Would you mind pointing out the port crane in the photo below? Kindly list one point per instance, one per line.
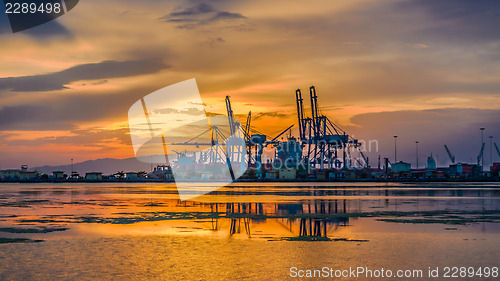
(254, 142)
(273, 141)
(223, 145)
(247, 126)
(366, 159)
(480, 154)
(323, 139)
(452, 157)
(232, 124)
(366, 163)
(498, 150)
(235, 151)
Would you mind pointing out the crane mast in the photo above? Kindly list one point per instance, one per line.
(480, 155)
(300, 112)
(232, 125)
(498, 150)
(452, 158)
(323, 138)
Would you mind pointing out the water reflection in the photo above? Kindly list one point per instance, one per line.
(308, 220)
(252, 210)
(111, 231)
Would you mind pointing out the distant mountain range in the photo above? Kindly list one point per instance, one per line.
(106, 166)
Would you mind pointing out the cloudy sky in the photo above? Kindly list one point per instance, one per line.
(423, 70)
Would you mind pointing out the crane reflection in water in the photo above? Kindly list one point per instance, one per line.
(314, 218)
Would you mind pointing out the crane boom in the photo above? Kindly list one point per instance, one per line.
(232, 126)
(247, 127)
(281, 134)
(367, 163)
(452, 158)
(480, 154)
(314, 109)
(300, 112)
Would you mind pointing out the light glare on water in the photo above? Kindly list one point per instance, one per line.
(244, 231)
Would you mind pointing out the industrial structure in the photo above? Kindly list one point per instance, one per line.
(326, 144)
(321, 144)
(322, 151)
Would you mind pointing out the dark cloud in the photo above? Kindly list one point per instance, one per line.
(224, 15)
(48, 31)
(442, 22)
(199, 14)
(100, 82)
(92, 71)
(34, 118)
(269, 114)
(213, 42)
(20, 117)
(457, 20)
(68, 112)
(197, 9)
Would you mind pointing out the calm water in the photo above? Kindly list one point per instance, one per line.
(246, 231)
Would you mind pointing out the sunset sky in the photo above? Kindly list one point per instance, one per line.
(423, 70)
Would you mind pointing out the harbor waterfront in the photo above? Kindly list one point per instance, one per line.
(249, 140)
(247, 230)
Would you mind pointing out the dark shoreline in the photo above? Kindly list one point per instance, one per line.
(490, 179)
